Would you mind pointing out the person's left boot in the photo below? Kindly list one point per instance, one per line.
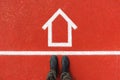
(53, 68)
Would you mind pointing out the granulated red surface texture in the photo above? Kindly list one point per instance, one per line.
(21, 24)
(98, 29)
(81, 67)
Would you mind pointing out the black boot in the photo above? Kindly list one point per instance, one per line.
(53, 68)
(54, 63)
(65, 69)
(65, 64)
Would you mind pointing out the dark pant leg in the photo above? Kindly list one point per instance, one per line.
(51, 75)
(65, 76)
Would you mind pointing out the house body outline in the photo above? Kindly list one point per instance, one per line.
(70, 24)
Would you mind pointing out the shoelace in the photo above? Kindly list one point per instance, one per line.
(51, 75)
(65, 76)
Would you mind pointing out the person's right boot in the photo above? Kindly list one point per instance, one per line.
(53, 68)
(65, 69)
(65, 64)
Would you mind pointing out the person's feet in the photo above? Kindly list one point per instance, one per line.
(54, 68)
(65, 64)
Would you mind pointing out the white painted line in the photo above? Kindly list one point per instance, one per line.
(59, 52)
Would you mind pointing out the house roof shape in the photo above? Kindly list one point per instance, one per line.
(55, 15)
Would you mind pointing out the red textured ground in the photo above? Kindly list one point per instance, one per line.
(21, 24)
(81, 68)
(98, 24)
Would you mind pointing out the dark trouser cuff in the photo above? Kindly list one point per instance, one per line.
(51, 75)
(65, 76)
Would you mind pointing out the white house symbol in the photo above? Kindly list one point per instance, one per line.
(70, 26)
